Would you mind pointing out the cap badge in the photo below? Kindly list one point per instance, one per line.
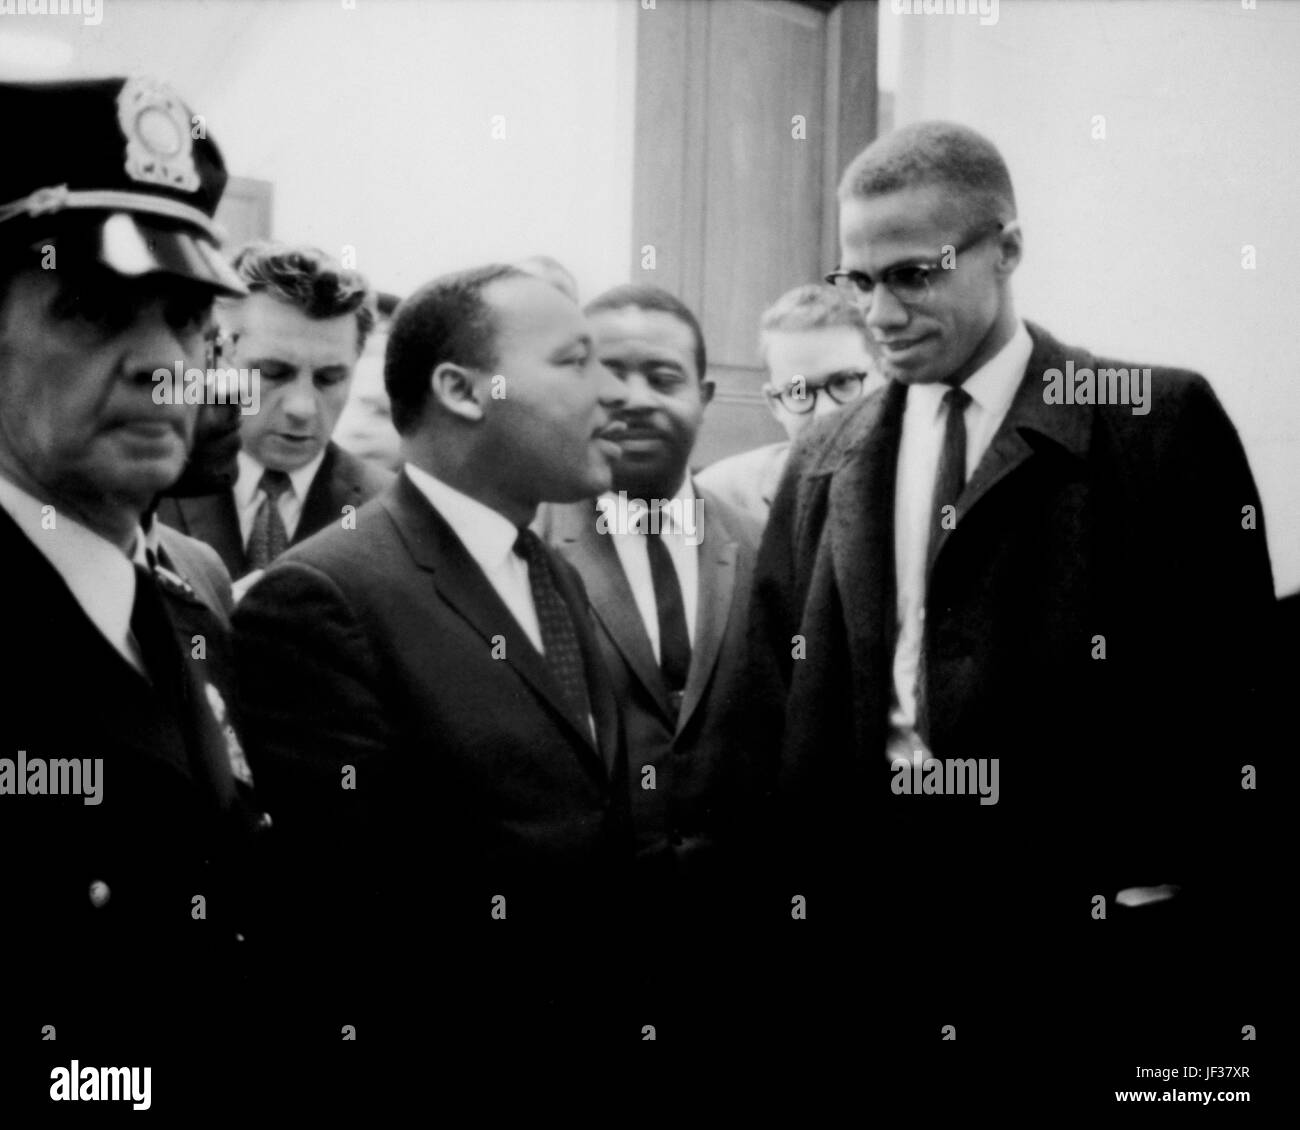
(45, 200)
(159, 149)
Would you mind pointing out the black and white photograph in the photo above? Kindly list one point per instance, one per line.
(537, 530)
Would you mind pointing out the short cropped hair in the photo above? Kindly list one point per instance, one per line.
(644, 297)
(550, 269)
(309, 280)
(945, 154)
(446, 320)
(813, 306)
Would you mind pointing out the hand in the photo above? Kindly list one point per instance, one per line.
(907, 747)
(1144, 896)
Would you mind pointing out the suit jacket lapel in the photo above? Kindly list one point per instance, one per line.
(861, 522)
(326, 497)
(1011, 447)
(435, 547)
(717, 579)
(610, 595)
(604, 709)
(176, 559)
(212, 518)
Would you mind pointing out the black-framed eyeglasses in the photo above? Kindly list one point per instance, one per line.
(908, 282)
(800, 395)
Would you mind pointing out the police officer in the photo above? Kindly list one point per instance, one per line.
(121, 831)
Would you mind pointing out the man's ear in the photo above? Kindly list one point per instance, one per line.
(707, 389)
(1011, 247)
(453, 387)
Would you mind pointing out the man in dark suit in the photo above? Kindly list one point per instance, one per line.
(427, 716)
(667, 568)
(119, 821)
(1016, 553)
(302, 328)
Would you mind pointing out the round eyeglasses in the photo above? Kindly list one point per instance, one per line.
(800, 395)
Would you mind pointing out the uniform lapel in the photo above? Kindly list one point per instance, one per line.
(69, 639)
(209, 754)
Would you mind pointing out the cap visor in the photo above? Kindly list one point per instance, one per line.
(135, 245)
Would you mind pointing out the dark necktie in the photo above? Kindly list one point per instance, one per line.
(674, 639)
(175, 681)
(269, 538)
(559, 636)
(153, 632)
(948, 485)
(951, 479)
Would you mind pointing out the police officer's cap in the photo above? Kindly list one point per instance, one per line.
(111, 168)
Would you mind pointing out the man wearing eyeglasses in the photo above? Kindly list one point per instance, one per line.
(815, 346)
(1070, 594)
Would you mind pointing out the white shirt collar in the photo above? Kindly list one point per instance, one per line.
(99, 575)
(671, 518)
(993, 385)
(146, 542)
(149, 537)
(250, 476)
(487, 534)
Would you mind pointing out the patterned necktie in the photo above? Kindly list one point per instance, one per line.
(559, 636)
(674, 639)
(269, 538)
(948, 485)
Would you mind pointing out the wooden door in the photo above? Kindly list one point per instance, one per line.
(747, 112)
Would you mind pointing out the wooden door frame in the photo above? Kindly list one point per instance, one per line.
(672, 98)
(852, 102)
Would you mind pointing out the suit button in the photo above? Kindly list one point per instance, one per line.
(99, 893)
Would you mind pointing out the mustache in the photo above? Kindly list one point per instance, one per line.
(636, 426)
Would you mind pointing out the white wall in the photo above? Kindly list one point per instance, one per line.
(1134, 243)
(375, 122)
